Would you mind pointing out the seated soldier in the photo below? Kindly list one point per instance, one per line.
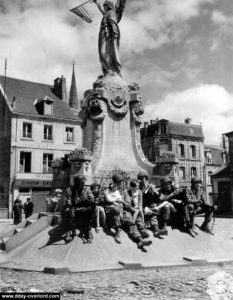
(155, 217)
(67, 216)
(182, 211)
(83, 204)
(99, 212)
(135, 199)
(137, 232)
(195, 196)
(113, 209)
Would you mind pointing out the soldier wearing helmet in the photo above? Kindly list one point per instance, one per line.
(83, 204)
(196, 197)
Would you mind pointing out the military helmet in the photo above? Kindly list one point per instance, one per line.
(133, 183)
(79, 178)
(117, 178)
(141, 175)
(93, 185)
(195, 180)
(166, 180)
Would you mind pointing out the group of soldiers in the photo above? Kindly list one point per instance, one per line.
(135, 209)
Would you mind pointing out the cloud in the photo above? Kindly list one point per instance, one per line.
(41, 38)
(206, 104)
(223, 32)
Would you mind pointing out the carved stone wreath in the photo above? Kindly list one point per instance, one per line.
(118, 106)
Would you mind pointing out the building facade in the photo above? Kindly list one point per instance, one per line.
(222, 179)
(215, 159)
(37, 125)
(185, 140)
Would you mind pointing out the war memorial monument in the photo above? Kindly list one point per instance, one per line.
(111, 141)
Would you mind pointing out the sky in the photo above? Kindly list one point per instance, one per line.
(180, 52)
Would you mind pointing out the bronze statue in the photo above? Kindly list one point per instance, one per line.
(109, 36)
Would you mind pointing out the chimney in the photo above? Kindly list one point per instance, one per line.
(59, 88)
(188, 120)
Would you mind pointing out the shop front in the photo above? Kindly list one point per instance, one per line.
(35, 189)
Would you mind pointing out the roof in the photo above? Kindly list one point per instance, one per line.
(216, 155)
(224, 170)
(178, 129)
(228, 134)
(189, 130)
(213, 147)
(26, 92)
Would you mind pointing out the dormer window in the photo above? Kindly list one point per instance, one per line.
(208, 156)
(44, 106)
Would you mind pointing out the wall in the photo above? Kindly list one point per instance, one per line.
(58, 146)
(188, 161)
(5, 138)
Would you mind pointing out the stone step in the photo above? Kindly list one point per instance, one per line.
(43, 214)
(29, 222)
(17, 230)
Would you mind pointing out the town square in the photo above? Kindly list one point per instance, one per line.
(116, 149)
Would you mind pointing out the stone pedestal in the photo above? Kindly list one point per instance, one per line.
(111, 128)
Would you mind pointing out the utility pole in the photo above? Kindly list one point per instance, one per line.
(5, 77)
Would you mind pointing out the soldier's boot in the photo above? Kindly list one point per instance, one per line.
(88, 236)
(155, 230)
(117, 236)
(163, 230)
(206, 227)
(142, 242)
(144, 234)
(67, 237)
(191, 233)
(194, 229)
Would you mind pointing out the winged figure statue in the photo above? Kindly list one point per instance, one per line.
(109, 36)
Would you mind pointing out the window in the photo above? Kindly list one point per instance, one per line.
(48, 108)
(69, 134)
(47, 161)
(208, 157)
(163, 128)
(27, 130)
(25, 162)
(193, 171)
(193, 151)
(48, 132)
(44, 106)
(209, 176)
(182, 172)
(181, 150)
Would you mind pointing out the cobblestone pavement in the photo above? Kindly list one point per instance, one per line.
(176, 283)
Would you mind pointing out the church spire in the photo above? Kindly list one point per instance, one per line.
(73, 101)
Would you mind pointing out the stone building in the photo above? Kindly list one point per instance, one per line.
(223, 179)
(38, 123)
(215, 158)
(185, 140)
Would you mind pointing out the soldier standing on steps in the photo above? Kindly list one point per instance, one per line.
(17, 210)
(28, 208)
(67, 215)
(83, 205)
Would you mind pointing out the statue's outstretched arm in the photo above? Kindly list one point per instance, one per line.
(99, 6)
(120, 7)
